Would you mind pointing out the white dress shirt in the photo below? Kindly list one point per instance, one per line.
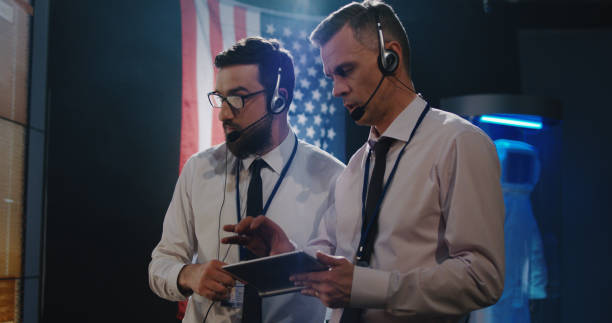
(439, 252)
(205, 199)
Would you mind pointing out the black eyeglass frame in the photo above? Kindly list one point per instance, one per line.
(225, 98)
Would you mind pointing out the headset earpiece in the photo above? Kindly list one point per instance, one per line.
(387, 59)
(388, 62)
(278, 102)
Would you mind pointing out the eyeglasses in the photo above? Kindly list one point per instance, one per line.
(234, 101)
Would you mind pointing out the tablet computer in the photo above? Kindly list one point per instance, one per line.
(270, 275)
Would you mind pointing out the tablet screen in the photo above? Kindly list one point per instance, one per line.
(270, 275)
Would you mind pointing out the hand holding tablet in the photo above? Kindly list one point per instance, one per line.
(270, 275)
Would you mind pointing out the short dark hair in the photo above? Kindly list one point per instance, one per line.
(361, 17)
(268, 55)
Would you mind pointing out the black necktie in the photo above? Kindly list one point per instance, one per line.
(251, 310)
(353, 315)
(254, 197)
(374, 192)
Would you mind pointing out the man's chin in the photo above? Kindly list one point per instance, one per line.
(250, 142)
(236, 148)
(232, 136)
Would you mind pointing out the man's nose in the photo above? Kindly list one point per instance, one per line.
(340, 88)
(225, 112)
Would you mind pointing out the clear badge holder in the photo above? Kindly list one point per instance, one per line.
(236, 298)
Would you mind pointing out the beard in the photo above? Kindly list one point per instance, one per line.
(256, 139)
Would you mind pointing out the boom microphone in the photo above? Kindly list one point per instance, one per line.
(234, 135)
(359, 111)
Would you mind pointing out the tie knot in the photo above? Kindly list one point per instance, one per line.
(382, 146)
(257, 165)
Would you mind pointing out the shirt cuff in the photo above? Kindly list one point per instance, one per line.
(369, 288)
(173, 274)
(295, 245)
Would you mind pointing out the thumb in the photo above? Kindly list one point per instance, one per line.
(330, 260)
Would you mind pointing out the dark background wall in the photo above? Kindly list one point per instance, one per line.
(574, 66)
(113, 146)
(114, 90)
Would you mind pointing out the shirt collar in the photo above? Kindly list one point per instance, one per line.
(401, 127)
(277, 157)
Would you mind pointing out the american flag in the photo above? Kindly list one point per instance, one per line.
(314, 114)
(211, 26)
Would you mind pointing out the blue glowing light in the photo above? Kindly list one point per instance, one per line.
(531, 124)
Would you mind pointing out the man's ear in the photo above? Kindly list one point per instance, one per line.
(397, 48)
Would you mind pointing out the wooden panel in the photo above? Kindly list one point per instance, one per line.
(9, 300)
(12, 140)
(14, 59)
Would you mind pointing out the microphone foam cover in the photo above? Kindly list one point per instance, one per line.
(357, 113)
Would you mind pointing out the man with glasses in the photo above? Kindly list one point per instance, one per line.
(261, 169)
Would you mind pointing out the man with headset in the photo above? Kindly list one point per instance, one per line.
(417, 224)
(262, 169)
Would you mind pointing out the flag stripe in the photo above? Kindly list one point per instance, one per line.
(216, 46)
(205, 75)
(216, 36)
(226, 17)
(252, 23)
(240, 22)
(189, 117)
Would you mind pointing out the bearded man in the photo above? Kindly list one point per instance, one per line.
(261, 170)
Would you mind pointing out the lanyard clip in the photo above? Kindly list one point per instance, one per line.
(359, 261)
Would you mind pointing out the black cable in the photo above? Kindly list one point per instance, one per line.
(211, 305)
(227, 252)
(406, 86)
(223, 203)
(219, 230)
(219, 227)
(221, 208)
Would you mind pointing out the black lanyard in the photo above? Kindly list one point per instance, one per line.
(366, 174)
(274, 190)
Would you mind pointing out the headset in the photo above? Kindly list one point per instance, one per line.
(278, 103)
(388, 59)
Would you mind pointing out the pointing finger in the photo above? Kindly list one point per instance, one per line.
(239, 240)
(229, 228)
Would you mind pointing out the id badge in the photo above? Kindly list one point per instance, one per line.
(236, 297)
